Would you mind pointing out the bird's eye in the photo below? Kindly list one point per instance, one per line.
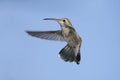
(64, 21)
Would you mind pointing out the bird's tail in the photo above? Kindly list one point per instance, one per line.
(77, 58)
(68, 54)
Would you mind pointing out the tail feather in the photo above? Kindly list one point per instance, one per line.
(78, 58)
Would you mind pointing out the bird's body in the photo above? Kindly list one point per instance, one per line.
(71, 52)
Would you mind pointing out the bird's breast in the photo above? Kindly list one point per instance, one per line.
(71, 36)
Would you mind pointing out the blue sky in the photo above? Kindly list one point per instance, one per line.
(23, 57)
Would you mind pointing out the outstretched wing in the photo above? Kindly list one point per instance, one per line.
(49, 35)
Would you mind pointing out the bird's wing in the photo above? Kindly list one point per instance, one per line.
(49, 35)
(68, 54)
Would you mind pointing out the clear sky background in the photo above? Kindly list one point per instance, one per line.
(23, 57)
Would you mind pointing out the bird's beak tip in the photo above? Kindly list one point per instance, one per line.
(45, 19)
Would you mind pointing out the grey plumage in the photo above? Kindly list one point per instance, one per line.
(48, 35)
(71, 52)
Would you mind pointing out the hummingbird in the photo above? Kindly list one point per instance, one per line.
(71, 52)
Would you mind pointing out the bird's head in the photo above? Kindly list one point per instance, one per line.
(62, 21)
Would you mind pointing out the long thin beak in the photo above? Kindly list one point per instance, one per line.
(51, 19)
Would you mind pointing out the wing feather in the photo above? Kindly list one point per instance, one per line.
(49, 35)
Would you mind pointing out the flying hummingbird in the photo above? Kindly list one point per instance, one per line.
(71, 52)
